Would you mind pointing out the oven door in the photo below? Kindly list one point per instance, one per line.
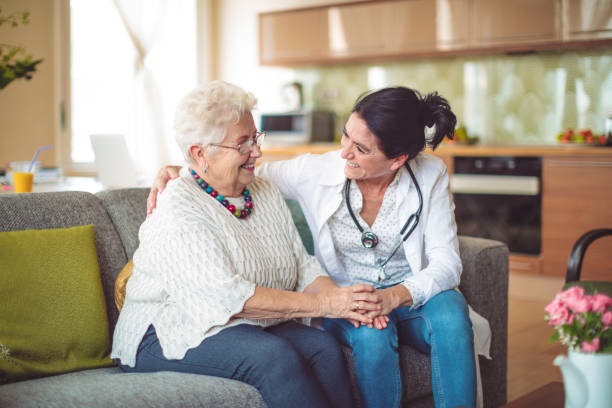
(500, 207)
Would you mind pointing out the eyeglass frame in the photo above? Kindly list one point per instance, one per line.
(247, 146)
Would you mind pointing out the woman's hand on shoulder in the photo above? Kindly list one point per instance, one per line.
(164, 175)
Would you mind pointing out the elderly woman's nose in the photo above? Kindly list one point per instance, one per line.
(256, 150)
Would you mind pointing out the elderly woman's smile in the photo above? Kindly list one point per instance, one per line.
(230, 164)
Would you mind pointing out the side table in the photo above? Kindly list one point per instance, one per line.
(551, 395)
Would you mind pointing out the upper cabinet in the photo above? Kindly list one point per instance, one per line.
(391, 29)
(394, 27)
(294, 36)
(588, 19)
(516, 22)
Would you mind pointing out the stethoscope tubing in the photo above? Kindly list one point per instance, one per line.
(412, 220)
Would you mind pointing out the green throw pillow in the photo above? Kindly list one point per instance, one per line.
(52, 310)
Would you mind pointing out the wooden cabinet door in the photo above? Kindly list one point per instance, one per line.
(577, 197)
(588, 19)
(398, 27)
(363, 30)
(299, 36)
(515, 22)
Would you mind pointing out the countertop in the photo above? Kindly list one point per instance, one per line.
(447, 149)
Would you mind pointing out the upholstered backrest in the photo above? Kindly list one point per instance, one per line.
(68, 209)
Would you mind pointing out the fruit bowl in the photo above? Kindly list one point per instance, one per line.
(584, 137)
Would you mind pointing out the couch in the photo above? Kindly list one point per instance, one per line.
(117, 215)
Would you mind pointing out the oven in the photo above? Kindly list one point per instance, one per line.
(499, 197)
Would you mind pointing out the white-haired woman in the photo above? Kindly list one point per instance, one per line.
(221, 272)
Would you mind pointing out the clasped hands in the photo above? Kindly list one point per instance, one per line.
(361, 304)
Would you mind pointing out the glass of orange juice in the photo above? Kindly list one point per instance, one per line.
(22, 181)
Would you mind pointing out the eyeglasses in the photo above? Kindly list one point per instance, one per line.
(244, 148)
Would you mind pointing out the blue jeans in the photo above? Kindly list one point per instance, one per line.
(441, 328)
(292, 365)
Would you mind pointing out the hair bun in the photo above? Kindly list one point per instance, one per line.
(427, 112)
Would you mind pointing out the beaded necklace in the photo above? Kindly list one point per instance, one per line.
(238, 213)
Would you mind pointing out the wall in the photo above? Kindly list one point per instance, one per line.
(27, 108)
(501, 99)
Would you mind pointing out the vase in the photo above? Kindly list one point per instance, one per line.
(586, 379)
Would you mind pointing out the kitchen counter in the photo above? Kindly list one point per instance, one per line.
(447, 149)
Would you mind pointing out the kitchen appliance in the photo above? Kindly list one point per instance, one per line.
(298, 127)
(499, 198)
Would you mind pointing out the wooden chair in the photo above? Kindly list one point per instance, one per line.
(574, 264)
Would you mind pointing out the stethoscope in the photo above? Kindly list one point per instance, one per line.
(369, 238)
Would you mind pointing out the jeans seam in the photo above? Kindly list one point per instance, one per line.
(435, 367)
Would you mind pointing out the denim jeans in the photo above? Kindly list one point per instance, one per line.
(292, 365)
(441, 328)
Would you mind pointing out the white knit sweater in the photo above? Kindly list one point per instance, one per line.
(197, 264)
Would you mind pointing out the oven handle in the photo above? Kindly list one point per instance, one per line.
(492, 184)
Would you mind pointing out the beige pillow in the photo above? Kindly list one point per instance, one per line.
(120, 283)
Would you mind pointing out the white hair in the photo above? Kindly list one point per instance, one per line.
(204, 114)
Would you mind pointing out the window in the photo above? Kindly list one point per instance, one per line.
(130, 63)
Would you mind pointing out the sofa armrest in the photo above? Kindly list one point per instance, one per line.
(484, 283)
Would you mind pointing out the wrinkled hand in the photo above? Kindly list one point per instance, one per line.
(164, 175)
(390, 299)
(351, 302)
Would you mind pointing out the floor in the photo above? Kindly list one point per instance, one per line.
(530, 355)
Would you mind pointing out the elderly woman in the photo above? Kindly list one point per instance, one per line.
(221, 273)
(382, 213)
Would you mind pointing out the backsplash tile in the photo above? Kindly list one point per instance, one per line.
(507, 99)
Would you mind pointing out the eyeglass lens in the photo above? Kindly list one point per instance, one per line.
(246, 146)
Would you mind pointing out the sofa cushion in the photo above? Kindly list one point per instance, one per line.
(111, 387)
(53, 313)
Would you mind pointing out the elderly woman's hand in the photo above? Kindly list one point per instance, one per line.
(164, 175)
(354, 303)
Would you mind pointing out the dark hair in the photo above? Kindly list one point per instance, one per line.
(398, 116)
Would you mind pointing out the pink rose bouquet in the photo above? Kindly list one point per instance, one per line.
(581, 321)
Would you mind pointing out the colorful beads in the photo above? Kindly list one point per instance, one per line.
(238, 213)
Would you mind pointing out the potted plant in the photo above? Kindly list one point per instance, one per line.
(583, 322)
(15, 63)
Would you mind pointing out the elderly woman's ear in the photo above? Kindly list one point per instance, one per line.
(197, 153)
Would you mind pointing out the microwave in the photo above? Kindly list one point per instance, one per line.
(298, 127)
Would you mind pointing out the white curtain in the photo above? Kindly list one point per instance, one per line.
(163, 33)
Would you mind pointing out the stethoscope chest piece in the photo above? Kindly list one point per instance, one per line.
(369, 239)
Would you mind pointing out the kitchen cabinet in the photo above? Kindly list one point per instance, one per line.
(515, 23)
(576, 198)
(393, 29)
(363, 30)
(294, 36)
(588, 19)
(396, 27)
